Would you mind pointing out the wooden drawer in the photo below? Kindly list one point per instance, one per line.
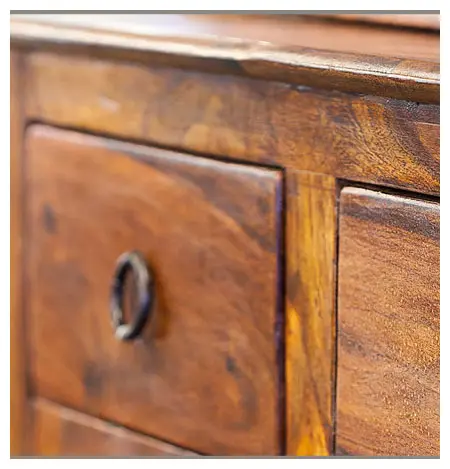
(62, 432)
(388, 325)
(204, 374)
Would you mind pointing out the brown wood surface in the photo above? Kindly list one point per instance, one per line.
(384, 142)
(291, 50)
(283, 30)
(388, 325)
(310, 299)
(18, 382)
(58, 431)
(425, 21)
(205, 376)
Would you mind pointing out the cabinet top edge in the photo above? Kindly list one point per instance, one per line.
(300, 51)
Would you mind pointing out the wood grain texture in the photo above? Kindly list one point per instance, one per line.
(205, 376)
(382, 74)
(18, 392)
(310, 299)
(58, 431)
(388, 326)
(350, 137)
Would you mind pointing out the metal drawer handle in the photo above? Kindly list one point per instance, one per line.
(131, 261)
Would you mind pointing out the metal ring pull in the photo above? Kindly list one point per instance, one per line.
(131, 261)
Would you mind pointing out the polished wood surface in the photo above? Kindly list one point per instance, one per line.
(206, 375)
(284, 30)
(310, 299)
(18, 391)
(285, 48)
(292, 317)
(388, 325)
(58, 431)
(358, 138)
(429, 21)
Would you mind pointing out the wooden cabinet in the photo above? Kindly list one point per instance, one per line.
(388, 325)
(204, 372)
(224, 236)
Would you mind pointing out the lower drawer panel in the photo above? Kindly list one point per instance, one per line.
(57, 431)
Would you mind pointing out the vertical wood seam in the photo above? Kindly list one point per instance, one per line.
(310, 319)
(339, 186)
(18, 386)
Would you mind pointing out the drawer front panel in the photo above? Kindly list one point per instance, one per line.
(388, 325)
(204, 374)
(57, 431)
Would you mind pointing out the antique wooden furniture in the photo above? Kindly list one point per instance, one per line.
(273, 183)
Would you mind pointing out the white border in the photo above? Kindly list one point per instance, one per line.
(232, 5)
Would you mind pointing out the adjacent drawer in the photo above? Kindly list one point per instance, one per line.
(388, 325)
(204, 373)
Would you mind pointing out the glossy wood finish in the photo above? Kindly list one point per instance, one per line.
(205, 376)
(322, 103)
(291, 50)
(17, 375)
(284, 30)
(310, 299)
(58, 431)
(388, 325)
(345, 136)
(424, 21)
